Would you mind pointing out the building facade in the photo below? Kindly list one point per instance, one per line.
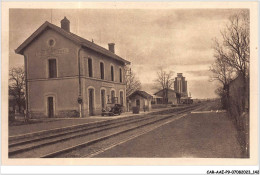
(180, 85)
(141, 99)
(172, 96)
(68, 76)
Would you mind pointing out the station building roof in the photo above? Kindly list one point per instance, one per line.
(141, 93)
(73, 37)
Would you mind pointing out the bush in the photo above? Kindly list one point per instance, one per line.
(11, 116)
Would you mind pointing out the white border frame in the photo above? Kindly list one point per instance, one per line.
(244, 163)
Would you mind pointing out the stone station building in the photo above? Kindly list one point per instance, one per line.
(69, 76)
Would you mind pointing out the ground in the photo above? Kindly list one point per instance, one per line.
(203, 135)
(204, 132)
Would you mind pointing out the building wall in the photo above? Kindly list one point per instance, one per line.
(171, 96)
(238, 109)
(238, 95)
(64, 92)
(64, 51)
(99, 85)
(95, 82)
(143, 102)
(108, 62)
(40, 86)
(65, 88)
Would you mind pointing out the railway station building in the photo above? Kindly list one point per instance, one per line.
(68, 76)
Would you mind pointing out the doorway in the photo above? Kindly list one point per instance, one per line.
(138, 103)
(91, 101)
(103, 100)
(121, 98)
(113, 96)
(50, 107)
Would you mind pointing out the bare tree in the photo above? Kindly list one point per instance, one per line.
(232, 54)
(221, 70)
(223, 73)
(132, 82)
(236, 43)
(17, 86)
(165, 81)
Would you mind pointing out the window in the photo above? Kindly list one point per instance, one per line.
(120, 75)
(52, 68)
(90, 72)
(51, 42)
(102, 71)
(112, 73)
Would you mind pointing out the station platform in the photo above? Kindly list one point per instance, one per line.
(44, 124)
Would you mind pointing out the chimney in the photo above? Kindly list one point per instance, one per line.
(179, 74)
(111, 47)
(65, 24)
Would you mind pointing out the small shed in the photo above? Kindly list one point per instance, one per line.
(141, 99)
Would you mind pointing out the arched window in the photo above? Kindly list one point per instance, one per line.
(102, 71)
(112, 73)
(120, 75)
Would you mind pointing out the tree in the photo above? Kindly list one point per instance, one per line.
(223, 73)
(233, 53)
(17, 86)
(236, 43)
(132, 82)
(223, 94)
(165, 81)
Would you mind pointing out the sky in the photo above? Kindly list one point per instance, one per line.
(178, 40)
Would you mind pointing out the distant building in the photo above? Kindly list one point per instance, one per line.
(141, 99)
(157, 99)
(173, 96)
(67, 75)
(238, 95)
(180, 85)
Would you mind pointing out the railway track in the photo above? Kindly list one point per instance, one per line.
(68, 142)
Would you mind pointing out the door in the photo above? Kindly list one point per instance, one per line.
(138, 103)
(113, 97)
(91, 102)
(121, 98)
(50, 107)
(103, 98)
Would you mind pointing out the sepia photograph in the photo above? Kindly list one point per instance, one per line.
(130, 83)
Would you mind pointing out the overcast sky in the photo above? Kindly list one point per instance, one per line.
(177, 40)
